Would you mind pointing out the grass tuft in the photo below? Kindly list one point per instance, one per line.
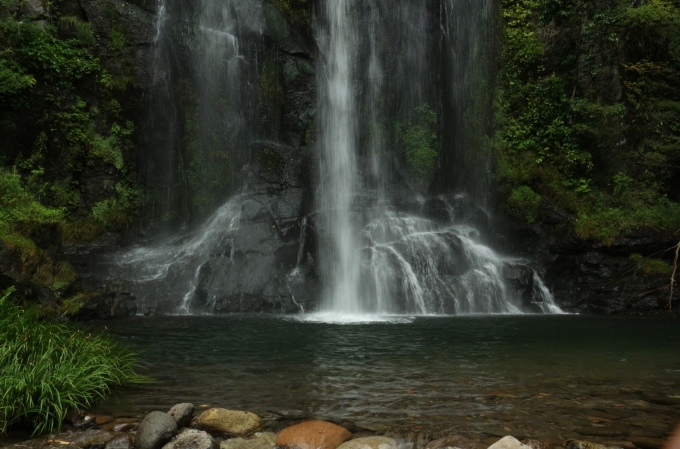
(47, 369)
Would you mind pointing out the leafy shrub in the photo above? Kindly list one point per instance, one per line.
(524, 202)
(17, 206)
(47, 369)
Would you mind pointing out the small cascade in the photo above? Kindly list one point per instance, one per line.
(166, 277)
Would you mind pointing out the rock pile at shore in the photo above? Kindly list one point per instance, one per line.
(219, 428)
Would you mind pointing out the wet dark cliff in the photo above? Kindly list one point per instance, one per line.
(175, 164)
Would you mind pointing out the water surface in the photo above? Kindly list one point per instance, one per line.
(597, 378)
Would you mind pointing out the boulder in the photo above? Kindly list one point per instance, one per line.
(191, 439)
(232, 422)
(370, 443)
(313, 435)
(155, 430)
(509, 443)
(182, 414)
(264, 440)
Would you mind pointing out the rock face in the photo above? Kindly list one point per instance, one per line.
(117, 301)
(182, 414)
(370, 443)
(155, 430)
(191, 439)
(313, 435)
(232, 422)
(587, 276)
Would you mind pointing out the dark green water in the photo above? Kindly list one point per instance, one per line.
(534, 376)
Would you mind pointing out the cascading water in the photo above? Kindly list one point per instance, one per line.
(375, 70)
(338, 187)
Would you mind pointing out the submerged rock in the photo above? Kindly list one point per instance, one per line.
(456, 441)
(91, 439)
(119, 443)
(370, 443)
(232, 422)
(264, 440)
(581, 444)
(156, 429)
(313, 435)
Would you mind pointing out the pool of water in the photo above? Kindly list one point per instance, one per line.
(596, 378)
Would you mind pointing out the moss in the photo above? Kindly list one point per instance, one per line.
(270, 160)
(296, 10)
(270, 87)
(652, 267)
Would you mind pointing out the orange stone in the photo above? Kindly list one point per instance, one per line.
(313, 435)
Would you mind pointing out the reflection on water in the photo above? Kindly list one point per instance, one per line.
(535, 376)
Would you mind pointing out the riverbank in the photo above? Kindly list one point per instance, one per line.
(187, 427)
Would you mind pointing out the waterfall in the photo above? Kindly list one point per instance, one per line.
(380, 67)
(338, 183)
(403, 95)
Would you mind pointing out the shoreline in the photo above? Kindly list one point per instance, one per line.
(86, 430)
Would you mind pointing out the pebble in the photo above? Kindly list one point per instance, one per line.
(370, 443)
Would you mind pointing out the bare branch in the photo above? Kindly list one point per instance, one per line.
(675, 270)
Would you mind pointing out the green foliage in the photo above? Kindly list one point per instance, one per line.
(610, 222)
(652, 267)
(419, 142)
(18, 207)
(47, 369)
(82, 29)
(602, 144)
(270, 160)
(116, 212)
(524, 202)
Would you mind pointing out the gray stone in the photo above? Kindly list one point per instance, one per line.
(191, 439)
(370, 443)
(92, 438)
(182, 413)
(264, 440)
(119, 443)
(508, 442)
(155, 430)
(232, 422)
